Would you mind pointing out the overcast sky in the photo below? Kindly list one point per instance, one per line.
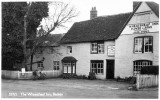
(104, 8)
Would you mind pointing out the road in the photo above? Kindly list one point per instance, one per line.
(72, 88)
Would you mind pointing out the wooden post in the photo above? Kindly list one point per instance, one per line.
(137, 82)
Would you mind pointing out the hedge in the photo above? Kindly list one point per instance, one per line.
(152, 70)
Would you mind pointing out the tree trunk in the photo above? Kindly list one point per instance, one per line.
(24, 43)
(31, 62)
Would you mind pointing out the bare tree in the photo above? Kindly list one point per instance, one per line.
(62, 13)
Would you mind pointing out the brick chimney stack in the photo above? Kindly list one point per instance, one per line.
(93, 13)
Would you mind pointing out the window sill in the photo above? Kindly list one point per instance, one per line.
(97, 53)
(99, 74)
(143, 53)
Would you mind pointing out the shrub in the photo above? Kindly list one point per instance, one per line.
(91, 76)
(118, 78)
(153, 70)
(65, 76)
(68, 76)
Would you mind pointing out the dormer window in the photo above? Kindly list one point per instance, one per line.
(97, 47)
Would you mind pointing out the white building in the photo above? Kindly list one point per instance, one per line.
(110, 46)
(138, 43)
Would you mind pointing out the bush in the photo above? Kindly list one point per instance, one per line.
(153, 70)
(91, 76)
(130, 79)
(65, 76)
(68, 76)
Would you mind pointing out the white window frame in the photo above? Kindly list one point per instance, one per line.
(93, 47)
(40, 65)
(97, 67)
(69, 68)
(97, 48)
(69, 49)
(56, 65)
(140, 44)
(148, 44)
(138, 64)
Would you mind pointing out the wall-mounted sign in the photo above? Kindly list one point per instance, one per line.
(143, 27)
(111, 50)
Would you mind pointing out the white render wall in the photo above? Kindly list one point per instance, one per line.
(81, 51)
(124, 45)
(124, 53)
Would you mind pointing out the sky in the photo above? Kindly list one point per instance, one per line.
(103, 7)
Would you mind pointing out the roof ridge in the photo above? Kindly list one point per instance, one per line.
(115, 14)
(104, 16)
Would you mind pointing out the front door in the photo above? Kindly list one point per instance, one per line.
(110, 69)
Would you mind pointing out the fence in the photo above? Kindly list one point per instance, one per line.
(144, 81)
(28, 74)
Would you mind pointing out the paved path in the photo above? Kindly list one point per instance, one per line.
(71, 88)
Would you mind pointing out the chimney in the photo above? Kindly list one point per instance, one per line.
(135, 4)
(93, 13)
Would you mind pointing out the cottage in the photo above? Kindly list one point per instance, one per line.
(46, 53)
(110, 46)
(92, 44)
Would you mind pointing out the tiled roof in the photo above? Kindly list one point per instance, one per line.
(154, 6)
(97, 29)
(102, 28)
(53, 40)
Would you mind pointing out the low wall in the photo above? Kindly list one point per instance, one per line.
(144, 81)
(9, 74)
(28, 75)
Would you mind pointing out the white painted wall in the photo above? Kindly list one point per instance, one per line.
(124, 55)
(81, 51)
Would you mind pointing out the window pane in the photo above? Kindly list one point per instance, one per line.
(101, 48)
(65, 69)
(101, 70)
(94, 47)
(148, 46)
(138, 44)
(97, 66)
(54, 62)
(57, 62)
(57, 67)
(69, 49)
(139, 64)
(98, 70)
(73, 69)
(69, 69)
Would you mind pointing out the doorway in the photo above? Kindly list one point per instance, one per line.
(110, 69)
